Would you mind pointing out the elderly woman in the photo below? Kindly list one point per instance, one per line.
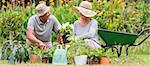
(86, 27)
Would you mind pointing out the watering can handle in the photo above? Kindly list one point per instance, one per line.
(59, 47)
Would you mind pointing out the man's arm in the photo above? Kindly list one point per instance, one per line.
(32, 38)
(57, 25)
(30, 33)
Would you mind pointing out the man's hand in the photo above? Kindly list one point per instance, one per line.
(59, 39)
(42, 45)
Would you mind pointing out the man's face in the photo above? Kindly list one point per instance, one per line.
(46, 16)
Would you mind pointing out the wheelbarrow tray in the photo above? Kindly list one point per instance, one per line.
(113, 39)
(117, 38)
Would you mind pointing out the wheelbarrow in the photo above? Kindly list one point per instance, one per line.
(113, 39)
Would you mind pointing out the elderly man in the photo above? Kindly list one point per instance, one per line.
(40, 27)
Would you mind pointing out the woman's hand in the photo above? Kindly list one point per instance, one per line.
(51, 45)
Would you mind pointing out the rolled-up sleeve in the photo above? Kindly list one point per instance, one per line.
(57, 25)
(30, 23)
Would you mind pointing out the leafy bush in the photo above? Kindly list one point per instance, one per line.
(64, 14)
(19, 54)
(48, 53)
(15, 53)
(11, 21)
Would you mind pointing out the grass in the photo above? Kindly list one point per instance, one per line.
(132, 60)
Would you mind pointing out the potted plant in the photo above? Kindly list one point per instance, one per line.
(103, 57)
(81, 58)
(35, 54)
(81, 53)
(104, 60)
(98, 56)
(93, 56)
(51, 52)
(47, 55)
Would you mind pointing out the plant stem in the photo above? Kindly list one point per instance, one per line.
(10, 37)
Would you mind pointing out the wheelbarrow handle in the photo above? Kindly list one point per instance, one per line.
(140, 41)
(143, 39)
(143, 31)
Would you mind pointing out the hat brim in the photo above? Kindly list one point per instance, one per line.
(41, 14)
(85, 12)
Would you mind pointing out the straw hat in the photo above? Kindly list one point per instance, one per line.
(85, 8)
(41, 9)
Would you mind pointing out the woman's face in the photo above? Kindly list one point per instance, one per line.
(83, 17)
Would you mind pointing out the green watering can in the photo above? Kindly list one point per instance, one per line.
(59, 56)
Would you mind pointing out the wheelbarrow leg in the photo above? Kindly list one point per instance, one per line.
(112, 50)
(119, 50)
(127, 50)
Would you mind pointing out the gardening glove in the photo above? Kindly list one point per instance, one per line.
(65, 38)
